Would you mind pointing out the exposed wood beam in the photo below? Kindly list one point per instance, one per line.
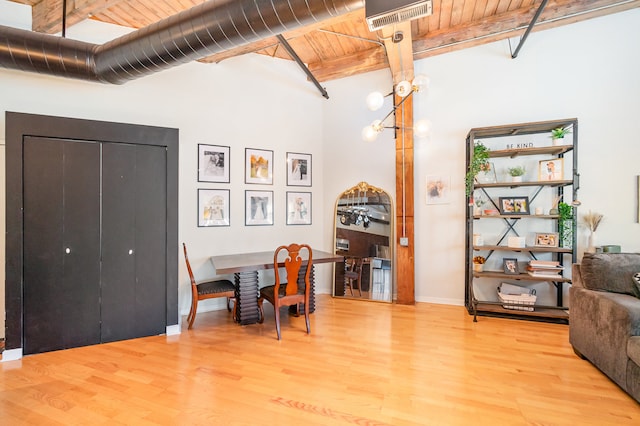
(47, 14)
(511, 24)
(360, 62)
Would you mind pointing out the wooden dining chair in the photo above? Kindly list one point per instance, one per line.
(291, 291)
(209, 290)
(353, 274)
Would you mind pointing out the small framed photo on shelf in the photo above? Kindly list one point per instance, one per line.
(545, 239)
(258, 208)
(298, 169)
(510, 266)
(552, 169)
(213, 207)
(514, 205)
(213, 163)
(298, 208)
(487, 174)
(258, 166)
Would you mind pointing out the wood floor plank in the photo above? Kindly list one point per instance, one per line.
(364, 363)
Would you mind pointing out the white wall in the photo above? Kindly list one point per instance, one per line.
(248, 102)
(587, 70)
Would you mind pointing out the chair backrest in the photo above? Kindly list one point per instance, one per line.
(186, 259)
(292, 264)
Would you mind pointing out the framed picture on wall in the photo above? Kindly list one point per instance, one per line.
(298, 208)
(298, 169)
(258, 208)
(213, 163)
(258, 166)
(213, 207)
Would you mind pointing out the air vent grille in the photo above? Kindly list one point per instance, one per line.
(399, 15)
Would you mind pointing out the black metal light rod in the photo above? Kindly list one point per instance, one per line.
(529, 28)
(296, 58)
(64, 18)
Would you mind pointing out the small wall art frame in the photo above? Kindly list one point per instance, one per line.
(213, 207)
(298, 208)
(546, 239)
(551, 169)
(258, 166)
(213, 163)
(438, 189)
(258, 208)
(298, 169)
(510, 266)
(514, 205)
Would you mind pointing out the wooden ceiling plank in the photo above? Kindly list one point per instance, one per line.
(456, 12)
(364, 61)
(479, 10)
(251, 48)
(47, 15)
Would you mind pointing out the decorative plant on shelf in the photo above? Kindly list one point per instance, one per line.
(478, 263)
(559, 133)
(516, 171)
(565, 227)
(479, 161)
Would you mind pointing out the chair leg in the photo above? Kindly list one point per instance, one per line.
(277, 312)
(260, 311)
(192, 313)
(306, 317)
(360, 288)
(228, 304)
(234, 311)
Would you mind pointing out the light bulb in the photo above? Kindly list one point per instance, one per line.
(422, 128)
(403, 88)
(377, 126)
(369, 134)
(375, 101)
(421, 83)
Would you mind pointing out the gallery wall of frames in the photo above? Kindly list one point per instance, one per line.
(214, 203)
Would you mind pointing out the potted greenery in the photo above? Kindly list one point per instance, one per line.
(516, 173)
(565, 225)
(557, 135)
(478, 263)
(479, 161)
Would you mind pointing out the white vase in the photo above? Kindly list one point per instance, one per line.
(557, 141)
(516, 178)
(593, 241)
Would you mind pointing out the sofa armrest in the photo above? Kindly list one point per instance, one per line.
(600, 325)
(576, 276)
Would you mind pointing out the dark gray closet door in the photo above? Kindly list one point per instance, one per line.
(133, 241)
(61, 244)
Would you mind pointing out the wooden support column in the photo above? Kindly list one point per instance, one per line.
(400, 56)
(405, 262)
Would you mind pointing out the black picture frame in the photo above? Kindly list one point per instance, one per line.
(299, 208)
(258, 166)
(518, 205)
(213, 163)
(258, 208)
(510, 266)
(213, 208)
(298, 169)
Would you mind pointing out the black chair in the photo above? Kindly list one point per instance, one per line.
(290, 292)
(209, 290)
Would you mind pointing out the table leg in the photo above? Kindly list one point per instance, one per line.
(312, 295)
(247, 297)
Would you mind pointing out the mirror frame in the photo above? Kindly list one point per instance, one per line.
(360, 188)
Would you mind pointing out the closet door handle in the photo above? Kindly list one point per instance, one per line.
(67, 250)
(130, 252)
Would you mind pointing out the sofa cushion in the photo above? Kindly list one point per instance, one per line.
(633, 349)
(611, 272)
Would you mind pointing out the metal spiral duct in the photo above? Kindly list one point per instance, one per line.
(201, 31)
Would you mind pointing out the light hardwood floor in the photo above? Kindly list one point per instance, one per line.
(364, 363)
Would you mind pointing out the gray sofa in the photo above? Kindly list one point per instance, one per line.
(604, 325)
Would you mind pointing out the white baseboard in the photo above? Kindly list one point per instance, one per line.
(173, 330)
(11, 355)
(441, 301)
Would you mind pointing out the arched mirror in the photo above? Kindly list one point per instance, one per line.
(364, 236)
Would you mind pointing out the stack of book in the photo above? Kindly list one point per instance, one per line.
(544, 268)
